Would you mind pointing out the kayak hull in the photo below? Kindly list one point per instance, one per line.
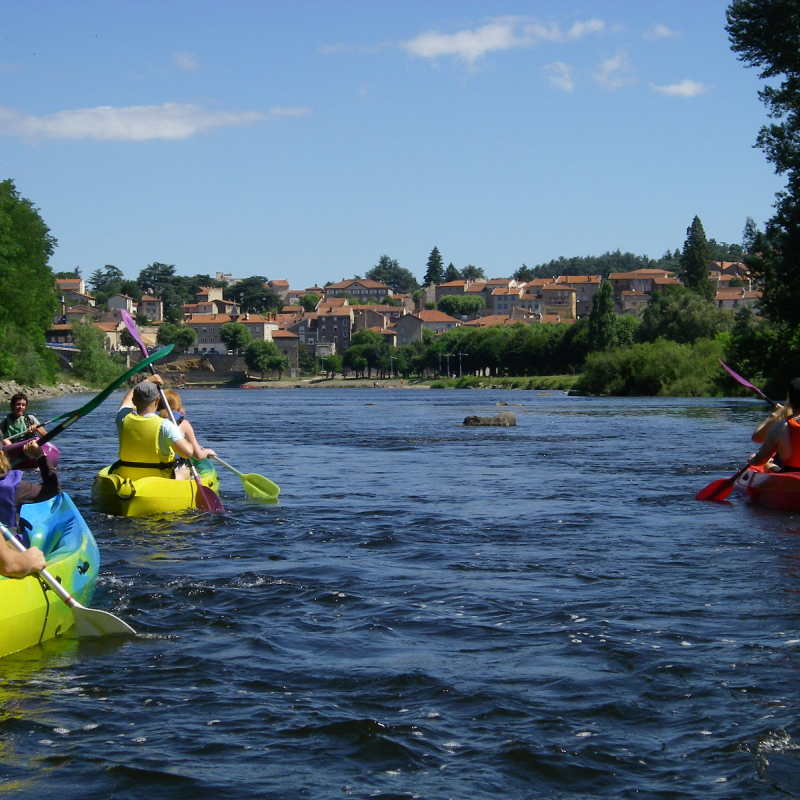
(122, 497)
(780, 490)
(30, 612)
(14, 451)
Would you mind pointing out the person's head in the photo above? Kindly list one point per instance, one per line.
(174, 400)
(794, 395)
(18, 403)
(144, 394)
(5, 465)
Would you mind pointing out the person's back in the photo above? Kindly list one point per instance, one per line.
(147, 443)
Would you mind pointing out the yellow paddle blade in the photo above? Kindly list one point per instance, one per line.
(260, 488)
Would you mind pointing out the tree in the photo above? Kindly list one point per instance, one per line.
(92, 363)
(309, 301)
(235, 335)
(388, 271)
(435, 272)
(695, 266)
(602, 318)
(452, 273)
(524, 274)
(682, 316)
(764, 34)
(460, 305)
(472, 273)
(262, 356)
(254, 296)
(28, 302)
(305, 361)
(182, 336)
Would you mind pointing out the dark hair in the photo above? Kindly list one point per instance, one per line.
(18, 396)
(794, 395)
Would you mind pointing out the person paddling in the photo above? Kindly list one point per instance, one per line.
(14, 492)
(781, 436)
(147, 443)
(18, 422)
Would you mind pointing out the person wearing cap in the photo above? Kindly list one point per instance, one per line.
(147, 442)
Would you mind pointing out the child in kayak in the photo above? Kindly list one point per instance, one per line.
(780, 448)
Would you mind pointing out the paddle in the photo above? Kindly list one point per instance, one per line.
(207, 499)
(88, 621)
(739, 379)
(71, 417)
(257, 486)
(718, 490)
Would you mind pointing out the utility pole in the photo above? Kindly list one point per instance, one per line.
(460, 371)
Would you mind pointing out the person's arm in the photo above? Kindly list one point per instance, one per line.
(770, 445)
(127, 400)
(173, 436)
(14, 564)
(36, 492)
(761, 431)
(188, 431)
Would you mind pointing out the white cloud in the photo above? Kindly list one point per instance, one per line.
(503, 33)
(186, 61)
(614, 72)
(685, 88)
(278, 112)
(131, 124)
(661, 32)
(560, 76)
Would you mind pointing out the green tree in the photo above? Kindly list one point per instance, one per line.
(435, 271)
(472, 273)
(682, 316)
(261, 355)
(765, 34)
(388, 271)
(27, 301)
(602, 318)
(452, 273)
(235, 335)
(695, 265)
(92, 363)
(460, 305)
(254, 296)
(309, 301)
(182, 336)
(524, 274)
(305, 361)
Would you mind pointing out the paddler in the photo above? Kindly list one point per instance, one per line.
(18, 422)
(14, 492)
(782, 436)
(147, 442)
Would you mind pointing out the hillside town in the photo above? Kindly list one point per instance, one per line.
(347, 307)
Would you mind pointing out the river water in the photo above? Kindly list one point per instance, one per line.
(431, 611)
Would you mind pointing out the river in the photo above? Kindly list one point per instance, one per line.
(431, 611)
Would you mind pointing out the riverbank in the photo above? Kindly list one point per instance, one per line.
(9, 388)
(546, 383)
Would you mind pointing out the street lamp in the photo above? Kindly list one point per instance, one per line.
(460, 371)
(393, 359)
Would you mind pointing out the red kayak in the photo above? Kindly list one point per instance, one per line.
(779, 490)
(14, 450)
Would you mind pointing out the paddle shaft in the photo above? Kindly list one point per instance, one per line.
(257, 486)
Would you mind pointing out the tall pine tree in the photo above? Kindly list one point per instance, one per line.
(695, 263)
(435, 272)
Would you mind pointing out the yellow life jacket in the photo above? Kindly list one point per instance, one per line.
(139, 455)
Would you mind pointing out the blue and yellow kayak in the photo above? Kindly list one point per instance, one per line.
(124, 497)
(29, 611)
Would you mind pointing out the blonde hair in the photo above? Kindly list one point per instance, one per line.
(5, 465)
(174, 400)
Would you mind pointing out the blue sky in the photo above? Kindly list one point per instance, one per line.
(303, 140)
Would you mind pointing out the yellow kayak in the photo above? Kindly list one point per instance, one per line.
(29, 612)
(124, 497)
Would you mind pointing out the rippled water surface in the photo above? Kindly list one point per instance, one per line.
(431, 611)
